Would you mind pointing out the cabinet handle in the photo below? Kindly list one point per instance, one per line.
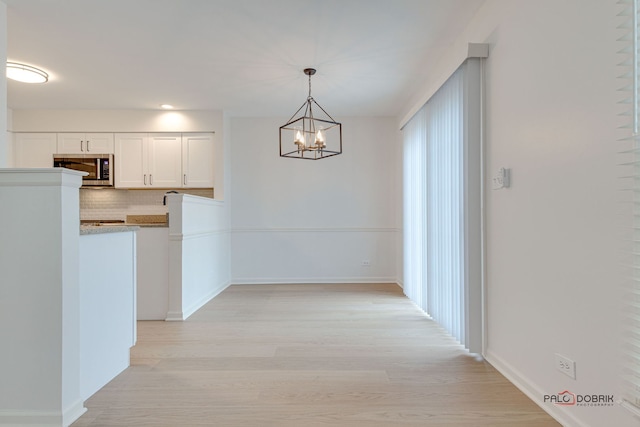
(185, 179)
(81, 148)
(88, 146)
(145, 179)
(150, 179)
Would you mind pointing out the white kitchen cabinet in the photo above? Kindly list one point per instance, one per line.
(130, 160)
(153, 273)
(197, 160)
(85, 143)
(148, 160)
(34, 150)
(165, 165)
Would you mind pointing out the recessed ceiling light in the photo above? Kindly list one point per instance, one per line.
(26, 73)
(166, 107)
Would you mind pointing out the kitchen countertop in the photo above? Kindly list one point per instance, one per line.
(133, 222)
(101, 229)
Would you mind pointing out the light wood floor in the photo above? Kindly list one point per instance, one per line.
(306, 356)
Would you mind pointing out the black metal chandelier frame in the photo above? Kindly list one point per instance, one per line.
(307, 127)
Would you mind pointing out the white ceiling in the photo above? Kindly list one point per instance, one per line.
(242, 56)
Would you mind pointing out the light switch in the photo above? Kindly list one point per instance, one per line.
(501, 179)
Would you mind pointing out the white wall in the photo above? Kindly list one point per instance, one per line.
(314, 221)
(116, 121)
(553, 271)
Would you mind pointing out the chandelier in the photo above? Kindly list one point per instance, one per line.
(309, 136)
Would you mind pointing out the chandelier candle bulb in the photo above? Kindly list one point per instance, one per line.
(320, 139)
(299, 140)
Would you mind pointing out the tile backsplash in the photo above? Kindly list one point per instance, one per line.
(117, 204)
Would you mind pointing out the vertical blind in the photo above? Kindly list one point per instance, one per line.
(441, 206)
(631, 154)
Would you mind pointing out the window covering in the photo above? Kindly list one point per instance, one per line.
(630, 172)
(441, 206)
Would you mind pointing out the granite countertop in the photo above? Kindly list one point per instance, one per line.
(132, 222)
(102, 229)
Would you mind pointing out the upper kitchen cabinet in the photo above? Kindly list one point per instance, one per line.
(34, 150)
(165, 166)
(197, 160)
(148, 160)
(130, 160)
(85, 143)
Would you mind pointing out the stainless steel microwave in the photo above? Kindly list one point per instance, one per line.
(99, 167)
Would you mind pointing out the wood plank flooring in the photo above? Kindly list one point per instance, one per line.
(307, 356)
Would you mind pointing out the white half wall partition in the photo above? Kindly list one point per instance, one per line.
(198, 253)
(39, 297)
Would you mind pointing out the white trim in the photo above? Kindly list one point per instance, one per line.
(310, 280)
(199, 304)
(196, 235)
(527, 387)
(73, 412)
(175, 316)
(43, 418)
(316, 230)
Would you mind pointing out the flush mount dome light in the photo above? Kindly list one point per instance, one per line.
(310, 134)
(26, 73)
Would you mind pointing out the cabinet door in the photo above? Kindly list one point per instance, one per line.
(34, 150)
(165, 163)
(130, 160)
(85, 143)
(197, 160)
(99, 143)
(71, 143)
(152, 250)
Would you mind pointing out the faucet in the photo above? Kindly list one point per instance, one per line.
(164, 199)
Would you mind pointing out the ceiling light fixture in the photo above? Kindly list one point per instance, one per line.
(314, 137)
(26, 73)
(166, 107)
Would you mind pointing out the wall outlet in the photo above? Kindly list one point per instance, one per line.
(566, 365)
(366, 263)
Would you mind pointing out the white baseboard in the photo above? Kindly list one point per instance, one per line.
(73, 412)
(309, 280)
(202, 301)
(176, 316)
(43, 418)
(528, 388)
